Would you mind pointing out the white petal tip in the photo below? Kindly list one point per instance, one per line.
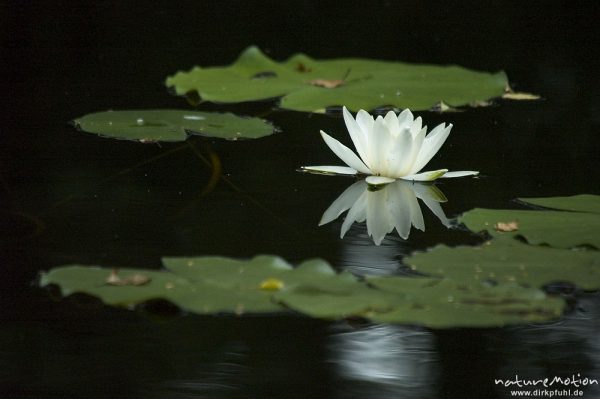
(345, 153)
(461, 173)
(426, 176)
(329, 170)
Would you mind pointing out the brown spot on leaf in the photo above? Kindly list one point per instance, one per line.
(135, 279)
(328, 84)
(300, 67)
(507, 226)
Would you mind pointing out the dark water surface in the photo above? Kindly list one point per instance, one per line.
(70, 197)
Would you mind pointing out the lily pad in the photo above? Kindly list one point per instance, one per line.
(267, 284)
(200, 285)
(172, 125)
(436, 303)
(335, 298)
(197, 297)
(505, 260)
(310, 85)
(576, 203)
(443, 303)
(560, 229)
(93, 280)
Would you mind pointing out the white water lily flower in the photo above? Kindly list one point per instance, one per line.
(390, 148)
(394, 206)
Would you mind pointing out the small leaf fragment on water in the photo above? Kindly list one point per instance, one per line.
(271, 284)
(328, 84)
(148, 141)
(480, 104)
(441, 106)
(135, 280)
(519, 95)
(507, 226)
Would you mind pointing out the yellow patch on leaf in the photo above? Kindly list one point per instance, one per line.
(272, 284)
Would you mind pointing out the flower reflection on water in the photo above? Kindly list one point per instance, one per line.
(385, 208)
(383, 361)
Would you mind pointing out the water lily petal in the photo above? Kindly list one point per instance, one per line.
(345, 154)
(398, 153)
(416, 216)
(416, 126)
(365, 122)
(428, 192)
(379, 144)
(379, 180)
(378, 217)
(336, 170)
(343, 202)
(392, 124)
(356, 213)
(405, 119)
(358, 136)
(426, 176)
(409, 156)
(437, 210)
(432, 196)
(431, 145)
(461, 173)
(400, 209)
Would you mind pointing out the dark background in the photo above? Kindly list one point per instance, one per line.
(536, 41)
(68, 197)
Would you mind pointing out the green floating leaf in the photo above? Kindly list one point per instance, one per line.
(200, 285)
(335, 298)
(445, 303)
(172, 125)
(93, 280)
(424, 301)
(577, 203)
(267, 284)
(560, 229)
(312, 85)
(505, 260)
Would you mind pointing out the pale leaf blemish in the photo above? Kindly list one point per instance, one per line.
(326, 83)
(507, 226)
(239, 309)
(133, 280)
